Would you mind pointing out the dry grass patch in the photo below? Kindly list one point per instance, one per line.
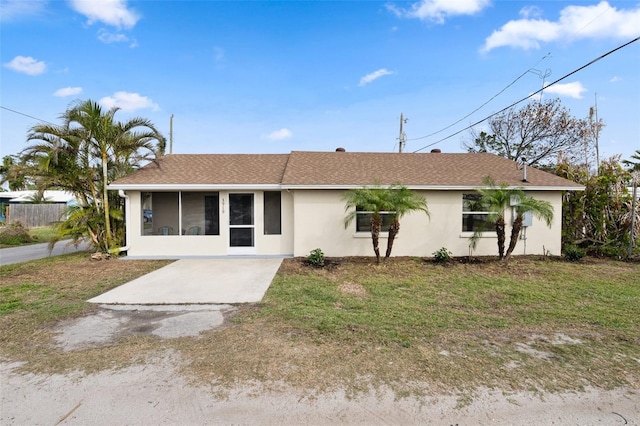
(353, 289)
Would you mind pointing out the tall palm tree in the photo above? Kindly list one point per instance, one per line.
(88, 151)
(58, 161)
(402, 201)
(374, 199)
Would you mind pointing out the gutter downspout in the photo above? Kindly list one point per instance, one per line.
(127, 204)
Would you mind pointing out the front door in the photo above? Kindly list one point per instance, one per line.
(241, 224)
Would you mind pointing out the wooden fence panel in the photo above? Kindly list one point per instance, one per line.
(34, 215)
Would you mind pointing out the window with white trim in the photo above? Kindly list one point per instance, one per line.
(475, 215)
(363, 220)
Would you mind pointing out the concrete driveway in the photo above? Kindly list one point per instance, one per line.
(198, 281)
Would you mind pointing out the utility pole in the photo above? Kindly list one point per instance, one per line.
(597, 136)
(171, 135)
(403, 136)
(633, 214)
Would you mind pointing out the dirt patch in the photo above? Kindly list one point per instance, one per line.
(107, 326)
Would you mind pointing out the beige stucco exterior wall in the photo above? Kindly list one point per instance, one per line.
(206, 245)
(319, 223)
(315, 219)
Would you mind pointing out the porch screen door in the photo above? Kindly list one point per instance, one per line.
(241, 224)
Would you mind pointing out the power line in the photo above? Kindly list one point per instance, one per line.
(509, 85)
(484, 104)
(533, 94)
(27, 115)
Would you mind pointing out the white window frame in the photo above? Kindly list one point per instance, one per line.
(465, 233)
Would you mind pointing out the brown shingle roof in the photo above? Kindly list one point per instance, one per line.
(433, 169)
(210, 169)
(339, 169)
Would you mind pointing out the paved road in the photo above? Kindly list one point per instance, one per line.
(19, 254)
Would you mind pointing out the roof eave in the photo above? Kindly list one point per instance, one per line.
(440, 187)
(194, 187)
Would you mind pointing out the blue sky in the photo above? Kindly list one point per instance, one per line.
(271, 77)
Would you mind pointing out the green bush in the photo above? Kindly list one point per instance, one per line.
(316, 258)
(612, 251)
(14, 235)
(574, 253)
(442, 255)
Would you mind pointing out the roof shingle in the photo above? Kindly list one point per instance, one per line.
(339, 169)
(204, 169)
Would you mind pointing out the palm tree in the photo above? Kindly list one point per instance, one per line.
(374, 199)
(403, 201)
(633, 163)
(12, 173)
(87, 152)
(497, 199)
(108, 140)
(538, 208)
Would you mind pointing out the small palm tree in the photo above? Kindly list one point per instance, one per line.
(402, 201)
(538, 208)
(497, 199)
(373, 199)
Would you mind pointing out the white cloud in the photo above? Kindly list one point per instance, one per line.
(530, 12)
(572, 90)
(14, 9)
(128, 101)
(280, 134)
(109, 12)
(437, 10)
(26, 65)
(108, 37)
(575, 22)
(615, 79)
(67, 91)
(374, 76)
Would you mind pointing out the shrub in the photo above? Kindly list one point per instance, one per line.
(442, 255)
(574, 253)
(15, 234)
(612, 251)
(316, 258)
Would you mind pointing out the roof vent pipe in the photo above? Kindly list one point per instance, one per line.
(524, 169)
(436, 150)
(340, 149)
